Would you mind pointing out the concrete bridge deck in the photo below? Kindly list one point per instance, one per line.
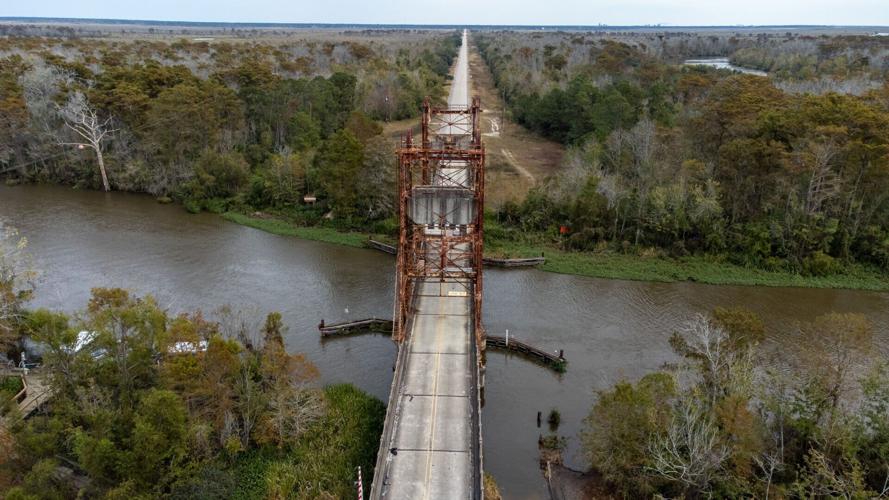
(434, 445)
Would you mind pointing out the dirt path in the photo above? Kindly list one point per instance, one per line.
(494, 126)
(517, 159)
(510, 157)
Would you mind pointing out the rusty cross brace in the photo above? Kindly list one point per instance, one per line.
(443, 258)
(451, 180)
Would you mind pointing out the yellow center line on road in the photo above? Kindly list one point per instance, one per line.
(438, 329)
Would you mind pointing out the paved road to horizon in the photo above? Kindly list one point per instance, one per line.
(459, 95)
(433, 456)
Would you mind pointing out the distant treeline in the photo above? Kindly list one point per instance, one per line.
(557, 28)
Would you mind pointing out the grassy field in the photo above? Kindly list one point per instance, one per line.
(609, 264)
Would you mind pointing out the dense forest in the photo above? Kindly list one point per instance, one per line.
(246, 124)
(785, 172)
(152, 404)
(697, 161)
(148, 404)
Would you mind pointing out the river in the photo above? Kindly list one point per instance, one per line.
(723, 63)
(609, 329)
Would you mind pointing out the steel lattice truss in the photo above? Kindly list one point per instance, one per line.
(441, 186)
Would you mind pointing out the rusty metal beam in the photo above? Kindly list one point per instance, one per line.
(444, 251)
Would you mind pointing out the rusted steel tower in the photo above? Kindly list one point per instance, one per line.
(441, 196)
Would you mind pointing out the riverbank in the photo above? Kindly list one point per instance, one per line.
(609, 265)
(700, 269)
(280, 227)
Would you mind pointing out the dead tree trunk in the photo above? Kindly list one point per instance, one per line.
(101, 160)
(83, 120)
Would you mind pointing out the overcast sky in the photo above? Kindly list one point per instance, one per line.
(534, 12)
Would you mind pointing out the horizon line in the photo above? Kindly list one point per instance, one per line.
(448, 25)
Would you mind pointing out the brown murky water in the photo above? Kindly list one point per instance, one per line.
(609, 329)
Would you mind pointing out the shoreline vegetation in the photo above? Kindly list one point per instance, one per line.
(608, 265)
(721, 424)
(147, 404)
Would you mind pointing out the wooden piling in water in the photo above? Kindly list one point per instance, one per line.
(383, 247)
(557, 363)
(356, 326)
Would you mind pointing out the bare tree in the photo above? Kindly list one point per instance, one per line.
(775, 392)
(824, 183)
(835, 346)
(769, 463)
(242, 325)
(41, 85)
(823, 478)
(231, 431)
(631, 154)
(577, 166)
(707, 342)
(292, 410)
(250, 403)
(84, 121)
(378, 173)
(690, 452)
(704, 342)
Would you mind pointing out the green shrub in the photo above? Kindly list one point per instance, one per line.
(820, 264)
(12, 384)
(388, 226)
(192, 205)
(324, 461)
(216, 176)
(773, 264)
(216, 205)
(616, 433)
(553, 442)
